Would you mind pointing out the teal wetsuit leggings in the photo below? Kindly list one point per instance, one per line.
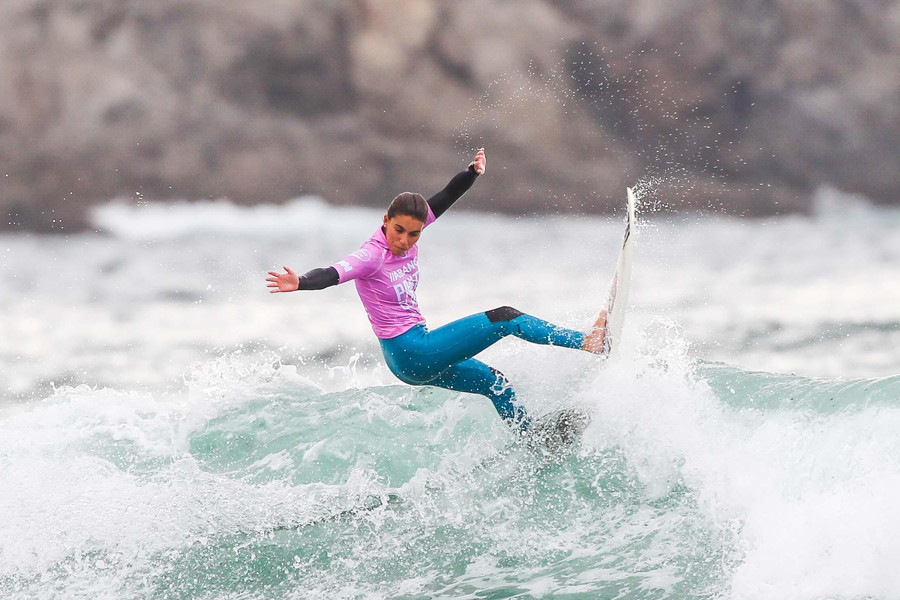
(443, 357)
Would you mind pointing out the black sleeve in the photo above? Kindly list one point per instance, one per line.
(458, 186)
(319, 279)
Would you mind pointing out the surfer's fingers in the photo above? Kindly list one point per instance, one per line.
(480, 162)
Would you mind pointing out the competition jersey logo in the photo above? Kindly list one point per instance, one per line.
(406, 292)
(404, 280)
(410, 267)
(363, 255)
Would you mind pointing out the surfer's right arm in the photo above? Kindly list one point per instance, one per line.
(317, 279)
(361, 263)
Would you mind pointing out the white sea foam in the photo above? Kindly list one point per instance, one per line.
(806, 498)
(189, 404)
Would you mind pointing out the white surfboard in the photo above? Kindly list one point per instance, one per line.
(621, 282)
(553, 433)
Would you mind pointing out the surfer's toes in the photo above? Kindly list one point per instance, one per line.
(595, 339)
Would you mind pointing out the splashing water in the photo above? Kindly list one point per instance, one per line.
(693, 480)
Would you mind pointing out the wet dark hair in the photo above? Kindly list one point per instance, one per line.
(409, 204)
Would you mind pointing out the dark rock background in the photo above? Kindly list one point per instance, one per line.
(740, 106)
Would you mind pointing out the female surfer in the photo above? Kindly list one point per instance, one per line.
(386, 271)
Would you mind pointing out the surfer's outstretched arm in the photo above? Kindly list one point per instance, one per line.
(317, 279)
(458, 186)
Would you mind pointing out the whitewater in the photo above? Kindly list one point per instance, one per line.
(169, 429)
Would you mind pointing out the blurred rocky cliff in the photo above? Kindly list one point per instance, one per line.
(743, 106)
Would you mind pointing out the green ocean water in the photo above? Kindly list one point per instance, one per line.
(256, 483)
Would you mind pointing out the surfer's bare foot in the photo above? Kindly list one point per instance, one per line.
(595, 338)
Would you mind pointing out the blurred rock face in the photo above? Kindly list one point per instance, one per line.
(743, 106)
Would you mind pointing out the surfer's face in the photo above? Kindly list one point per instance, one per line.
(402, 233)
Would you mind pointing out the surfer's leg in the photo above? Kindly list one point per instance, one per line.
(475, 377)
(466, 337)
(511, 321)
(537, 331)
(419, 355)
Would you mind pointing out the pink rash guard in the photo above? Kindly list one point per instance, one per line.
(386, 283)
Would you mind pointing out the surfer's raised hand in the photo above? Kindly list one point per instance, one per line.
(283, 282)
(480, 162)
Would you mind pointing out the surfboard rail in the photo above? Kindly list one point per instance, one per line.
(619, 288)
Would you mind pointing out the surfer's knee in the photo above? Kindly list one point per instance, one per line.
(502, 314)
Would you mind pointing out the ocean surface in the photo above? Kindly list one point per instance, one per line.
(169, 429)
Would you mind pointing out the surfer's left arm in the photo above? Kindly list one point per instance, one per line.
(458, 186)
